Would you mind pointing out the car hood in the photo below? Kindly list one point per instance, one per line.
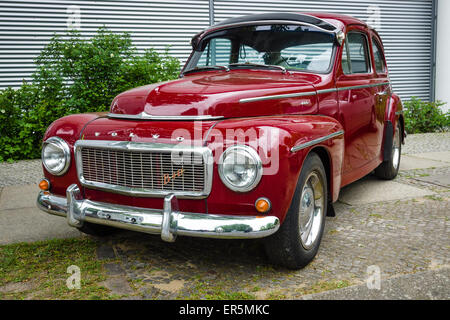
(221, 93)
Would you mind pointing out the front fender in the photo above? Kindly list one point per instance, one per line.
(70, 129)
(283, 142)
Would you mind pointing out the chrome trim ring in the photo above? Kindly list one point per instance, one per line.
(205, 153)
(316, 141)
(59, 142)
(311, 209)
(268, 201)
(259, 169)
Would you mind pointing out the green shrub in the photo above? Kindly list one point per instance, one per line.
(74, 75)
(422, 116)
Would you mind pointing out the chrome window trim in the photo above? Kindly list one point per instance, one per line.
(205, 152)
(145, 116)
(66, 150)
(369, 57)
(310, 93)
(316, 141)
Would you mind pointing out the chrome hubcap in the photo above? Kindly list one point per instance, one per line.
(311, 209)
(396, 148)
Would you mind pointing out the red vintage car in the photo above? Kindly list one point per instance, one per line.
(271, 116)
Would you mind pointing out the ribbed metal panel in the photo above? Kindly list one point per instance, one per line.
(406, 31)
(26, 26)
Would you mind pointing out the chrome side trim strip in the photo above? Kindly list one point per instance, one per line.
(310, 93)
(204, 152)
(145, 116)
(316, 141)
(326, 90)
(168, 222)
(278, 96)
(364, 86)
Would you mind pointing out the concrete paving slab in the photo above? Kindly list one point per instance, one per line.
(410, 162)
(441, 180)
(371, 189)
(427, 285)
(437, 156)
(13, 197)
(32, 224)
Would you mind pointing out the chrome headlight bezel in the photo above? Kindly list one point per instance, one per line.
(249, 152)
(59, 143)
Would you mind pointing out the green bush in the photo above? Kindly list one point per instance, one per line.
(74, 75)
(422, 116)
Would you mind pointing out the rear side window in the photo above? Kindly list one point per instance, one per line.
(355, 58)
(380, 67)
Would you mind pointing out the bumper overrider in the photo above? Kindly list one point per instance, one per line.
(168, 222)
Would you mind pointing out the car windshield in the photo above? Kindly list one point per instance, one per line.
(291, 47)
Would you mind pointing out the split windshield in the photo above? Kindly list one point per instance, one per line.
(291, 47)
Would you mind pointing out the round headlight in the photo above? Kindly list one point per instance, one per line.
(240, 168)
(56, 156)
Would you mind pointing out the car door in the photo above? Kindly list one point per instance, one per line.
(356, 99)
(382, 90)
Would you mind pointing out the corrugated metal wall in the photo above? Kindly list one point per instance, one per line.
(405, 27)
(26, 26)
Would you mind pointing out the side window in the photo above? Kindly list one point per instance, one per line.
(355, 58)
(217, 52)
(378, 56)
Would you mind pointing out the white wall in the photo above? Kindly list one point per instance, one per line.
(443, 53)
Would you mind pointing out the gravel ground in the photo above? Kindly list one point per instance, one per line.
(426, 142)
(399, 237)
(20, 172)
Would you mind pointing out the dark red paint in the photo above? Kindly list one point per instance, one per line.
(361, 113)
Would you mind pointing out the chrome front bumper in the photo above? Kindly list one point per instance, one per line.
(168, 222)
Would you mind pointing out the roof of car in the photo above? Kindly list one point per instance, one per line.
(326, 21)
(322, 20)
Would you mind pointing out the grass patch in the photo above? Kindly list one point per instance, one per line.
(376, 215)
(39, 270)
(434, 197)
(205, 290)
(325, 286)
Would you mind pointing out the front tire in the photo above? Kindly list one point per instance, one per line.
(297, 242)
(388, 169)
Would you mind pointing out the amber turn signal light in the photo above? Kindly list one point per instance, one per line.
(44, 185)
(262, 205)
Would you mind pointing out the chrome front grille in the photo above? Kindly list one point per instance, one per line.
(144, 169)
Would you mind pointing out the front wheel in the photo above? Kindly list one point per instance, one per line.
(388, 169)
(297, 242)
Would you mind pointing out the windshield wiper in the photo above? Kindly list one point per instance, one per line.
(246, 64)
(207, 68)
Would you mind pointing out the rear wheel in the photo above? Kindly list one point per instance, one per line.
(297, 242)
(388, 169)
(96, 230)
